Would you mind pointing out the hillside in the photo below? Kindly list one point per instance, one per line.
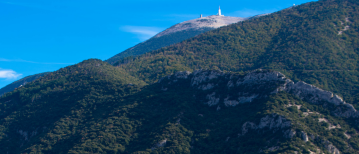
(20, 82)
(176, 34)
(289, 84)
(45, 102)
(199, 112)
(172, 35)
(315, 42)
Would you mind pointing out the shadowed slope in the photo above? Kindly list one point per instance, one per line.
(303, 42)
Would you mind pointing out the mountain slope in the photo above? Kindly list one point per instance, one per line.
(175, 34)
(46, 102)
(20, 82)
(199, 112)
(145, 105)
(315, 42)
(172, 35)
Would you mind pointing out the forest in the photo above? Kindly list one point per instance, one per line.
(144, 104)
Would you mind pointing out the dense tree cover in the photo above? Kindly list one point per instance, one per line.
(20, 82)
(304, 42)
(157, 42)
(94, 107)
(61, 104)
(89, 108)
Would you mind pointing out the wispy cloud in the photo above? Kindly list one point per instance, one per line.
(249, 13)
(26, 61)
(142, 32)
(8, 74)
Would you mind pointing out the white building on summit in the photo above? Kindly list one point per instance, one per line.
(202, 23)
(219, 11)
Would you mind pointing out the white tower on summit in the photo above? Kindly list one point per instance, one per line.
(219, 11)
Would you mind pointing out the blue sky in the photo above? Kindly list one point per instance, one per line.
(39, 36)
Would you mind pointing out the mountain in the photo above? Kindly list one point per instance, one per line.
(21, 82)
(81, 110)
(315, 42)
(172, 35)
(177, 33)
(282, 83)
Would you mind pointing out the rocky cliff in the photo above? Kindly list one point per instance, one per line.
(259, 84)
(239, 89)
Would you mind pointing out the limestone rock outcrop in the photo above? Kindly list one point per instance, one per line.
(271, 122)
(330, 147)
(257, 84)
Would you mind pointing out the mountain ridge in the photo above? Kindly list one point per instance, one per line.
(176, 34)
(187, 98)
(288, 41)
(10, 87)
(284, 88)
(213, 21)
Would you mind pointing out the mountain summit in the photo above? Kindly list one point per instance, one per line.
(172, 35)
(283, 83)
(213, 21)
(176, 34)
(210, 22)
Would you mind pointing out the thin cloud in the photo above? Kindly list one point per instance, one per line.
(26, 61)
(249, 13)
(142, 32)
(8, 74)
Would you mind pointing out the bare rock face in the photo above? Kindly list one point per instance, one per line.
(204, 22)
(304, 91)
(254, 85)
(182, 75)
(330, 147)
(160, 144)
(313, 94)
(289, 133)
(216, 87)
(200, 76)
(260, 77)
(271, 122)
(212, 100)
(257, 84)
(304, 136)
(274, 122)
(230, 102)
(346, 110)
(24, 134)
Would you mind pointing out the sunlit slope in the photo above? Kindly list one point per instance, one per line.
(315, 42)
(40, 105)
(176, 34)
(200, 112)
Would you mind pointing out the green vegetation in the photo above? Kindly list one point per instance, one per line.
(94, 107)
(20, 82)
(156, 43)
(302, 42)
